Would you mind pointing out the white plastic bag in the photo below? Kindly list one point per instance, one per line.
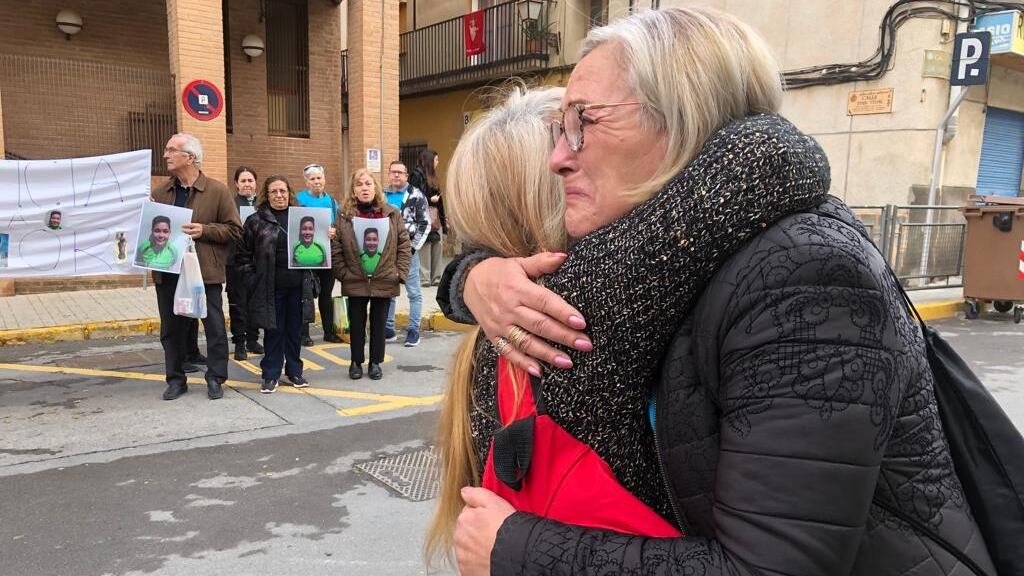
(190, 295)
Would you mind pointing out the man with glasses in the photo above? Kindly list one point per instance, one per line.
(411, 202)
(214, 226)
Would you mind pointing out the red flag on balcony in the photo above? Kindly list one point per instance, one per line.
(473, 30)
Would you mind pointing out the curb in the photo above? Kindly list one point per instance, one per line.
(146, 326)
(435, 322)
(940, 310)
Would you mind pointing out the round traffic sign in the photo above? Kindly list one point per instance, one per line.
(202, 100)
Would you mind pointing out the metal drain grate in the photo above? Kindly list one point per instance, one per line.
(413, 475)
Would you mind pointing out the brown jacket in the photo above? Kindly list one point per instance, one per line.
(394, 261)
(213, 206)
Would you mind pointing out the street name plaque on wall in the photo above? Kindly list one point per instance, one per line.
(870, 102)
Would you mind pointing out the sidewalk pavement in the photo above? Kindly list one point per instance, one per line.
(89, 314)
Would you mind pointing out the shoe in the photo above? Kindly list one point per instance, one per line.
(412, 338)
(214, 389)
(174, 390)
(332, 337)
(307, 341)
(255, 347)
(196, 358)
(189, 367)
(390, 335)
(268, 387)
(355, 371)
(240, 352)
(297, 381)
(375, 372)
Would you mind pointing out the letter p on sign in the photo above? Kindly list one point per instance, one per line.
(970, 59)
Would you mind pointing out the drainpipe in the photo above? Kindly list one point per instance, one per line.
(943, 135)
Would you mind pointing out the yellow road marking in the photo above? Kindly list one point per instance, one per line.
(384, 402)
(385, 406)
(322, 351)
(252, 368)
(307, 363)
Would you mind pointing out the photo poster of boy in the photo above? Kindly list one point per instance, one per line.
(308, 244)
(162, 244)
(371, 236)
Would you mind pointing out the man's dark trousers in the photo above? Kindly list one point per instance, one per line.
(238, 308)
(174, 331)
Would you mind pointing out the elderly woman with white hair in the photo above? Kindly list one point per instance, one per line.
(749, 370)
(314, 195)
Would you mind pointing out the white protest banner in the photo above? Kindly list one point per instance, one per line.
(72, 217)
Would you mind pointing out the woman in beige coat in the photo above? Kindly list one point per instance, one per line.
(370, 256)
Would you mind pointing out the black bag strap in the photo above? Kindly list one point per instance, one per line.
(921, 527)
(513, 444)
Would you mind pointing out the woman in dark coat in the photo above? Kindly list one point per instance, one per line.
(424, 177)
(281, 299)
(752, 374)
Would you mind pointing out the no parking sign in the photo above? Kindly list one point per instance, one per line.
(202, 100)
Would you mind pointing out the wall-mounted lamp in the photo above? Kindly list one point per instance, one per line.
(69, 22)
(253, 47)
(535, 19)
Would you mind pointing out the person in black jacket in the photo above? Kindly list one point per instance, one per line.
(280, 299)
(755, 376)
(424, 177)
(245, 339)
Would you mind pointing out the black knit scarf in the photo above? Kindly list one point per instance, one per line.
(636, 279)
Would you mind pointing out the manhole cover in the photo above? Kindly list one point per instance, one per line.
(413, 475)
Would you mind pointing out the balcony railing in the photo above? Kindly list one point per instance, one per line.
(435, 58)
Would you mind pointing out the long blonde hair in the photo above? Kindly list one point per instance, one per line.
(501, 196)
(695, 69)
(348, 205)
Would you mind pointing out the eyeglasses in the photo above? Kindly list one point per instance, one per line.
(173, 150)
(572, 125)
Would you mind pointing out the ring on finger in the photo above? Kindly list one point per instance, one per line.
(517, 335)
(501, 345)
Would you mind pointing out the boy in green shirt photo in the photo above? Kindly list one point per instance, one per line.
(307, 253)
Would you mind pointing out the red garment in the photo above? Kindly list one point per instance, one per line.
(553, 475)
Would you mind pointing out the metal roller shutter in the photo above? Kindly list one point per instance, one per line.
(1002, 153)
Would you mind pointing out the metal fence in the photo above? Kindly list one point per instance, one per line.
(59, 108)
(434, 57)
(926, 251)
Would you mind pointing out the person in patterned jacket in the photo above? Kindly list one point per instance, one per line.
(410, 201)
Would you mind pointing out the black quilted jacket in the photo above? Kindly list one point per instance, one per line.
(795, 394)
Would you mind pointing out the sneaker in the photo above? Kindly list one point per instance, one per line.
(412, 338)
(375, 372)
(268, 387)
(355, 371)
(390, 335)
(240, 352)
(196, 358)
(332, 338)
(297, 381)
(188, 367)
(255, 347)
(307, 341)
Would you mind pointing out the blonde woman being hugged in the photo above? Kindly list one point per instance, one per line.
(370, 256)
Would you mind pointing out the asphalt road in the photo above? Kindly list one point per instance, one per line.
(100, 476)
